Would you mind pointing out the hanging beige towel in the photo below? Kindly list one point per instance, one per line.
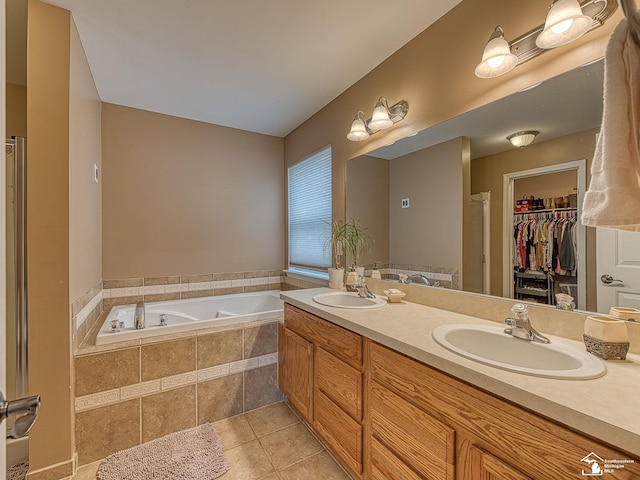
(613, 197)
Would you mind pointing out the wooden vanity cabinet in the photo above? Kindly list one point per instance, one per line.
(494, 439)
(321, 374)
(389, 417)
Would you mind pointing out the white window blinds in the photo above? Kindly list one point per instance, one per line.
(310, 211)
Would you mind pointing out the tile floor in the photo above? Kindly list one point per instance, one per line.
(267, 444)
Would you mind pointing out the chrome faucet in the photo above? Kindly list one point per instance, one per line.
(520, 326)
(419, 278)
(363, 290)
(138, 316)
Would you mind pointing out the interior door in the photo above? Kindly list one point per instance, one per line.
(477, 276)
(618, 269)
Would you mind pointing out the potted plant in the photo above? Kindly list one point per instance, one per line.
(339, 244)
(357, 242)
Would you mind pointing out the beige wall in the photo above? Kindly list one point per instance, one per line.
(487, 174)
(16, 113)
(183, 197)
(429, 232)
(368, 200)
(434, 73)
(48, 235)
(85, 222)
(554, 185)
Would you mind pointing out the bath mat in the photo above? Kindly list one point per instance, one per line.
(194, 454)
(18, 471)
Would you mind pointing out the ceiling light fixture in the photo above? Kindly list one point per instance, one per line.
(522, 139)
(497, 58)
(383, 117)
(566, 21)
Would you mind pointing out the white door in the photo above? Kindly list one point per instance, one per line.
(618, 269)
(477, 278)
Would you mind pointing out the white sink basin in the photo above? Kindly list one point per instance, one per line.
(491, 346)
(348, 300)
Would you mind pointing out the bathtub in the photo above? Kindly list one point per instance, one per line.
(191, 314)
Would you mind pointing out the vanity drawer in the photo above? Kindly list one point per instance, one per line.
(340, 342)
(385, 465)
(424, 443)
(340, 431)
(340, 382)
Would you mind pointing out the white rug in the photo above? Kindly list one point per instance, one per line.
(194, 454)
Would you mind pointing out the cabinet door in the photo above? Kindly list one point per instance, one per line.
(484, 466)
(297, 372)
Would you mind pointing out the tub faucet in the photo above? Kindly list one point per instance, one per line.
(520, 326)
(138, 316)
(419, 278)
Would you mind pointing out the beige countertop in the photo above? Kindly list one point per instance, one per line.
(606, 408)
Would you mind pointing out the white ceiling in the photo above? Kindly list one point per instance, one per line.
(261, 66)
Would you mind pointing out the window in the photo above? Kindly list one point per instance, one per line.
(310, 211)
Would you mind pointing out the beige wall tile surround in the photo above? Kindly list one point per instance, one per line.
(168, 412)
(218, 348)
(161, 280)
(105, 430)
(261, 387)
(53, 472)
(220, 398)
(260, 340)
(95, 373)
(124, 283)
(174, 369)
(168, 358)
(206, 277)
(197, 293)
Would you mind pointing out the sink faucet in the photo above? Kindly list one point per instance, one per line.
(138, 316)
(363, 290)
(520, 326)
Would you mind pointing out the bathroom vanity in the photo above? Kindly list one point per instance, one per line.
(392, 404)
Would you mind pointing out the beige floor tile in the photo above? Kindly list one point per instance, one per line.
(247, 462)
(269, 419)
(290, 445)
(319, 466)
(234, 431)
(87, 472)
(271, 476)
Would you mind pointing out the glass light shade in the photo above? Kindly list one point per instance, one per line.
(380, 118)
(565, 23)
(522, 139)
(497, 59)
(358, 129)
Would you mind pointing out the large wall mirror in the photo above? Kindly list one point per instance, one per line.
(441, 203)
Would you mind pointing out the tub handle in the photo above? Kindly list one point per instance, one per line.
(116, 325)
(163, 320)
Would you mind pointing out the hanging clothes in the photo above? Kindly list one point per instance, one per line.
(546, 242)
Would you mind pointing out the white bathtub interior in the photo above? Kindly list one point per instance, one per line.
(191, 314)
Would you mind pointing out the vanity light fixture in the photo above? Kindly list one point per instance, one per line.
(566, 21)
(358, 128)
(522, 139)
(383, 117)
(497, 58)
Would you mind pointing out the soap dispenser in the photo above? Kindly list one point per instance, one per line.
(375, 273)
(352, 279)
